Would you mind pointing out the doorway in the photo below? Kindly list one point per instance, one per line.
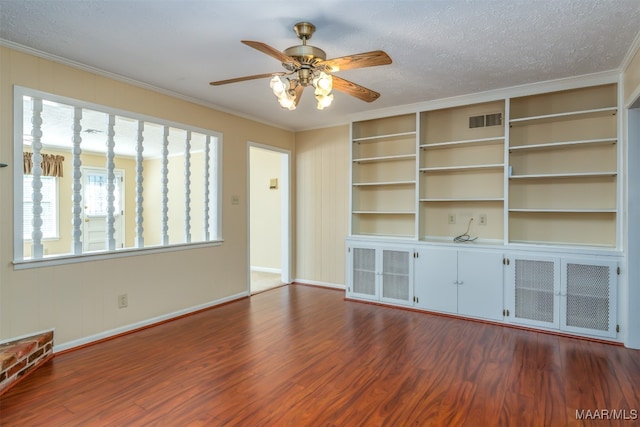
(269, 217)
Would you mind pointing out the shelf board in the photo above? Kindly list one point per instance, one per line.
(382, 183)
(571, 115)
(462, 168)
(564, 144)
(450, 144)
(385, 235)
(549, 210)
(384, 212)
(464, 199)
(385, 158)
(563, 175)
(378, 138)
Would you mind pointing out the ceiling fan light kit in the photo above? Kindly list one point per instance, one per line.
(307, 65)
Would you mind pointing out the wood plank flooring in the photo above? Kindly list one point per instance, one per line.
(302, 356)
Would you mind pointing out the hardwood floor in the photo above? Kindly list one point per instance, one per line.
(302, 356)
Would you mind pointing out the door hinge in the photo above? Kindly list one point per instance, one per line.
(618, 271)
(505, 261)
(505, 313)
(348, 249)
(416, 255)
(617, 328)
(415, 299)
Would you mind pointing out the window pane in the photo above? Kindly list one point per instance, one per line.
(95, 142)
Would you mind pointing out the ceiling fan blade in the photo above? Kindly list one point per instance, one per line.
(359, 60)
(241, 79)
(275, 53)
(353, 89)
(299, 89)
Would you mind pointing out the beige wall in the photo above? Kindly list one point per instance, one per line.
(80, 300)
(322, 179)
(266, 209)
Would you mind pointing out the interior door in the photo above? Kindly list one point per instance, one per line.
(94, 197)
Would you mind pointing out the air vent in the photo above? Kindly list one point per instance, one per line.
(493, 119)
(476, 122)
(488, 120)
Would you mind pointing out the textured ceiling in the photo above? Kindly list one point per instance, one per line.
(439, 48)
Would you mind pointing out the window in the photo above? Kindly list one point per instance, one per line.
(169, 200)
(49, 206)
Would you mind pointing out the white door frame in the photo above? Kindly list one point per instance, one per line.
(632, 246)
(285, 201)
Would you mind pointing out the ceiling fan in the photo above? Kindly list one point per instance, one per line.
(308, 65)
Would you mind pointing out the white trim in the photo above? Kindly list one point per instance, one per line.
(317, 283)
(28, 335)
(120, 253)
(266, 269)
(149, 322)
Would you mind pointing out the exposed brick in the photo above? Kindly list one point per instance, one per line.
(7, 359)
(19, 357)
(17, 368)
(35, 355)
(24, 347)
(45, 338)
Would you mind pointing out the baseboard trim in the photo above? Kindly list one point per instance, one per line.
(266, 269)
(317, 283)
(133, 327)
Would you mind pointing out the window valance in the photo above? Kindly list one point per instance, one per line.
(51, 164)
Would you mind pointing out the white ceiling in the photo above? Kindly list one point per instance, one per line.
(439, 48)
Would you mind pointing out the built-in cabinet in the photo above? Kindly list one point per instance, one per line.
(380, 273)
(460, 281)
(576, 295)
(535, 176)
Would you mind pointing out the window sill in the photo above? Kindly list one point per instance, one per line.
(52, 260)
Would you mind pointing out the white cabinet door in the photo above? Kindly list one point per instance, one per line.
(380, 273)
(480, 284)
(396, 275)
(436, 280)
(588, 297)
(533, 286)
(362, 273)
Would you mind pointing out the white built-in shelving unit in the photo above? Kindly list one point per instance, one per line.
(534, 182)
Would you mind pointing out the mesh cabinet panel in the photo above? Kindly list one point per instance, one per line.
(534, 290)
(364, 271)
(588, 296)
(395, 275)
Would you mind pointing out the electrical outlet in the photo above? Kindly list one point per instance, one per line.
(482, 219)
(452, 218)
(123, 301)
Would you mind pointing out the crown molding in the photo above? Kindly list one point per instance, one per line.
(117, 77)
(611, 76)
